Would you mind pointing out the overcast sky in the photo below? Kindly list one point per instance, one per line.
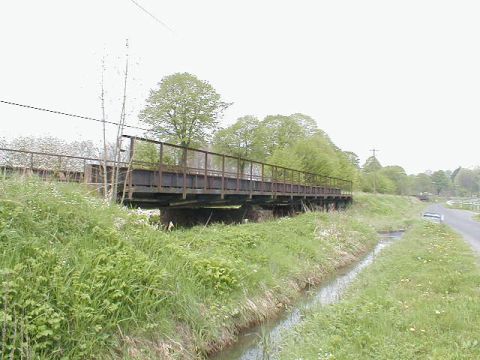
(400, 76)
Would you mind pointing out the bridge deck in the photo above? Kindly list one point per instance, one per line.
(174, 188)
(183, 176)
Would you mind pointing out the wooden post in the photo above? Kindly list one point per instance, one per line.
(284, 181)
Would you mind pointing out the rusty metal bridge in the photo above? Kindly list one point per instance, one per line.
(179, 176)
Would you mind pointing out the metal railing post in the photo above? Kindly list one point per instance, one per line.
(185, 154)
(251, 179)
(223, 177)
(263, 179)
(238, 174)
(205, 175)
(160, 168)
(291, 184)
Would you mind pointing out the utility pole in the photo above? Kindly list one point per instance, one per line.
(374, 152)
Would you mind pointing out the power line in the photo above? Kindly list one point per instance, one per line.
(152, 16)
(71, 115)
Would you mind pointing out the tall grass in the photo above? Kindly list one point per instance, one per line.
(83, 279)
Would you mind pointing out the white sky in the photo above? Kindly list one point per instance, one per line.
(400, 76)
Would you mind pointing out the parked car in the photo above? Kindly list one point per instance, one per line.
(434, 217)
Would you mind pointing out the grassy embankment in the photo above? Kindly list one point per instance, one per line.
(82, 279)
(419, 300)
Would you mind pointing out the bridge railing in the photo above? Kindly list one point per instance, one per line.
(190, 161)
(174, 159)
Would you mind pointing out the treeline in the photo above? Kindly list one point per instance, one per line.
(394, 180)
(292, 141)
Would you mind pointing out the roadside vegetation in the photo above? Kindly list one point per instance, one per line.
(420, 299)
(81, 278)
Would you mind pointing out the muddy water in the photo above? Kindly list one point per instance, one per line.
(262, 342)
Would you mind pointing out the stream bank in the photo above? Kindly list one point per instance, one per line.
(262, 341)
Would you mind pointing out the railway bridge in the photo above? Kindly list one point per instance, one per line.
(185, 177)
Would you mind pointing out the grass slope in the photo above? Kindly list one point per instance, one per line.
(419, 300)
(83, 279)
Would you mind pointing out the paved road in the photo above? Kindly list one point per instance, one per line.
(462, 222)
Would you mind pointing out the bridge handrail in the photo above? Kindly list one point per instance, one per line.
(344, 182)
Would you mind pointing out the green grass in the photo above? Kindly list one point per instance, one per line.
(83, 279)
(419, 300)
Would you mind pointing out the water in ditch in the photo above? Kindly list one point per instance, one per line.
(262, 342)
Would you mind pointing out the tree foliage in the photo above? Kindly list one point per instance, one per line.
(241, 139)
(184, 109)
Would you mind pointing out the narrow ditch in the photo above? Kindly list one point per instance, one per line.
(262, 342)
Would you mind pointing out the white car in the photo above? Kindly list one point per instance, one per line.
(434, 217)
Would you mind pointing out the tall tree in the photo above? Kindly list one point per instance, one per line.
(184, 109)
(399, 178)
(241, 139)
(371, 165)
(352, 158)
(468, 181)
(280, 131)
(441, 181)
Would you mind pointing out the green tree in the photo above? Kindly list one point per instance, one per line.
(352, 158)
(371, 165)
(422, 183)
(441, 182)
(241, 139)
(184, 109)
(280, 131)
(468, 181)
(399, 178)
(383, 184)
